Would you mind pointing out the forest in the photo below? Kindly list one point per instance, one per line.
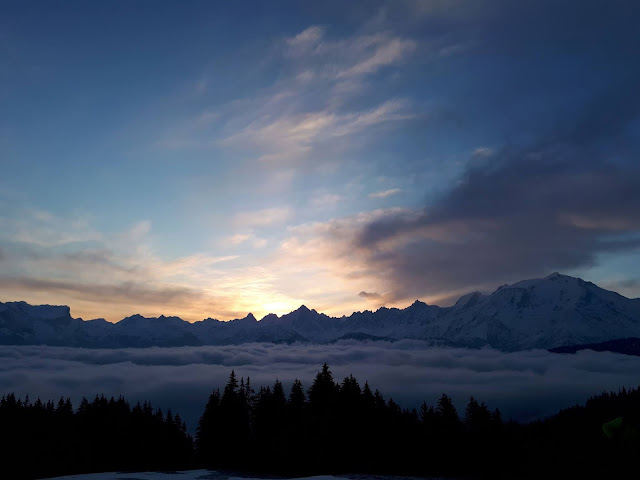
(330, 428)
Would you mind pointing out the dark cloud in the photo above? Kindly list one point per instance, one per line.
(364, 294)
(523, 385)
(554, 204)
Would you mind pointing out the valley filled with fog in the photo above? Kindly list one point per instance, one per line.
(523, 385)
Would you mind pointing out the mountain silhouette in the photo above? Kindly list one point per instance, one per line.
(555, 311)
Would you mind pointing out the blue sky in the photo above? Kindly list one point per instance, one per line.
(204, 159)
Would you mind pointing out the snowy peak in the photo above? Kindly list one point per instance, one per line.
(41, 311)
(469, 300)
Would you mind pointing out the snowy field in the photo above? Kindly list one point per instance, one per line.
(184, 475)
(203, 475)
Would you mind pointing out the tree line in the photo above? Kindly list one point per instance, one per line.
(331, 427)
(39, 439)
(343, 427)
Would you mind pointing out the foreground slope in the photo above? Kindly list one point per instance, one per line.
(550, 312)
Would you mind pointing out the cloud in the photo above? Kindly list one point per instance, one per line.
(320, 263)
(326, 200)
(520, 212)
(129, 292)
(629, 287)
(629, 283)
(524, 385)
(353, 56)
(239, 238)
(263, 218)
(294, 137)
(364, 294)
(482, 152)
(121, 274)
(385, 193)
(258, 242)
(39, 228)
(321, 98)
(384, 51)
(209, 116)
(246, 239)
(117, 274)
(306, 39)
(451, 50)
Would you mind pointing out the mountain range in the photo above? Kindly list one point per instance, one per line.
(547, 313)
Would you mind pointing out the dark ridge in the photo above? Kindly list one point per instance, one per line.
(363, 337)
(626, 346)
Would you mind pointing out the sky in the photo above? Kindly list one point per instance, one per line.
(210, 159)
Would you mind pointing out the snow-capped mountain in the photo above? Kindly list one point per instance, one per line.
(541, 313)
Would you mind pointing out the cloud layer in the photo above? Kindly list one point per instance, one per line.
(523, 385)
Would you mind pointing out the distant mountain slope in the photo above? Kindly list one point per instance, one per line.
(545, 313)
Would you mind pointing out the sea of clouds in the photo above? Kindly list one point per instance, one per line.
(524, 385)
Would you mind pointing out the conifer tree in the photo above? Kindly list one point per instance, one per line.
(323, 392)
(297, 397)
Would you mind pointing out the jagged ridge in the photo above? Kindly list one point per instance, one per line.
(546, 313)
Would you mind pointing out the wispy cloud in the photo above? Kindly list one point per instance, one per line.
(353, 56)
(317, 104)
(247, 239)
(40, 228)
(382, 51)
(326, 200)
(482, 152)
(239, 238)
(306, 40)
(265, 217)
(294, 137)
(385, 193)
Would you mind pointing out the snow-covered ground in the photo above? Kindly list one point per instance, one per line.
(205, 475)
(187, 475)
(184, 475)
